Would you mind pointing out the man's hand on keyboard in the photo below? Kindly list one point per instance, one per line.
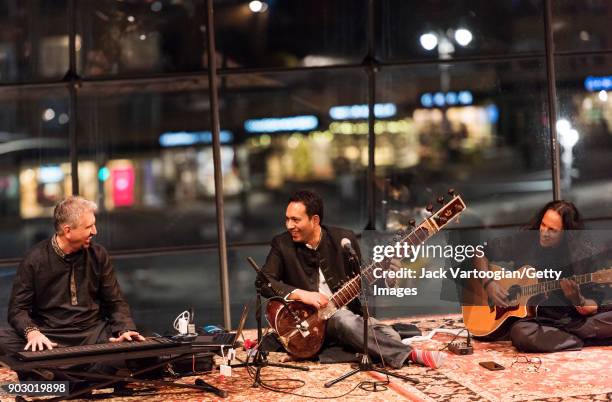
(128, 336)
(37, 341)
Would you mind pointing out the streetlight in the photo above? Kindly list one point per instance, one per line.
(257, 6)
(568, 137)
(444, 41)
(429, 41)
(463, 36)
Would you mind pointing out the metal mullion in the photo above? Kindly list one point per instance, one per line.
(552, 99)
(465, 59)
(71, 80)
(171, 78)
(370, 64)
(601, 52)
(31, 85)
(178, 250)
(214, 114)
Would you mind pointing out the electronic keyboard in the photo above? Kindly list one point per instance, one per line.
(100, 348)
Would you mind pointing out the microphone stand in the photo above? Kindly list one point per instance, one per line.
(366, 363)
(261, 357)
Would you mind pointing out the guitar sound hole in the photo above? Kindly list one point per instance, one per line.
(514, 293)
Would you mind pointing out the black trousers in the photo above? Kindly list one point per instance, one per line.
(533, 335)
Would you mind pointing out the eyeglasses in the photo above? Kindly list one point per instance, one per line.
(535, 361)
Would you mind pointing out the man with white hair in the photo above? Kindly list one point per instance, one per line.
(65, 291)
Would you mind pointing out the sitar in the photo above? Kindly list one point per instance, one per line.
(484, 319)
(301, 327)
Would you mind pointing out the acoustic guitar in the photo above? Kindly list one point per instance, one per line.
(301, 329)
(484, 319)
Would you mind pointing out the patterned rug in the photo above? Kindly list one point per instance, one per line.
(569, 376)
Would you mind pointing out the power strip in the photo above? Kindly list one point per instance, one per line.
(461, 348)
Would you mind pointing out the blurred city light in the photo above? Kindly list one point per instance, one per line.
(48, 114)
(63, 118)
(50, 174)
(442, 40)
(563, 125)
(429, 41)
(427, 100)
(103, 173)
(257, 6)
(156, 6)
(492, 113)
(449, 98)
(465, 98)
(570, 138)
(463, 36)
(439, 99)
(584, 35)
(598, 83)
(602, 95)
(186, 138)
(276, 124)
(381, 110)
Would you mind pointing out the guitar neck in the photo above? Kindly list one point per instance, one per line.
(351, 289)
(548, 286)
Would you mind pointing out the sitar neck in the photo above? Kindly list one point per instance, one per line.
(351, 289)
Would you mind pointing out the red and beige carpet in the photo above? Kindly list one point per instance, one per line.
(568, 376)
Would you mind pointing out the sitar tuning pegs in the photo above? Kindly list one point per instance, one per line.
(451, 192)
(429, 208)
(412, 222)
(440, 200)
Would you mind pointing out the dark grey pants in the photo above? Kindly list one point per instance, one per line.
(529, 335)
(383, 341)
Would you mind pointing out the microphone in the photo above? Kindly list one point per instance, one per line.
(299, 323)
(260, 274)
(346, 245)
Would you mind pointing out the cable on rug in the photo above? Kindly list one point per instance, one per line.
(376, 386)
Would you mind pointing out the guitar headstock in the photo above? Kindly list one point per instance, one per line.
(603, 276)
(449, 211)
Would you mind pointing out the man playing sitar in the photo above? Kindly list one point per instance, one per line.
(308, 264)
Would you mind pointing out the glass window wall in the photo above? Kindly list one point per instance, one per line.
(291, 129)
(474, 127)
(584, 129)
(33, 40)
(297, 33)
(146, 155)
(446, 29)
(34, 165)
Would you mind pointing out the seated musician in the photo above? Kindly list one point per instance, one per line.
(308, 264)
(65, 292)
(569, 317)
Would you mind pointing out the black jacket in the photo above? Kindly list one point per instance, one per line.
(287, 270)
